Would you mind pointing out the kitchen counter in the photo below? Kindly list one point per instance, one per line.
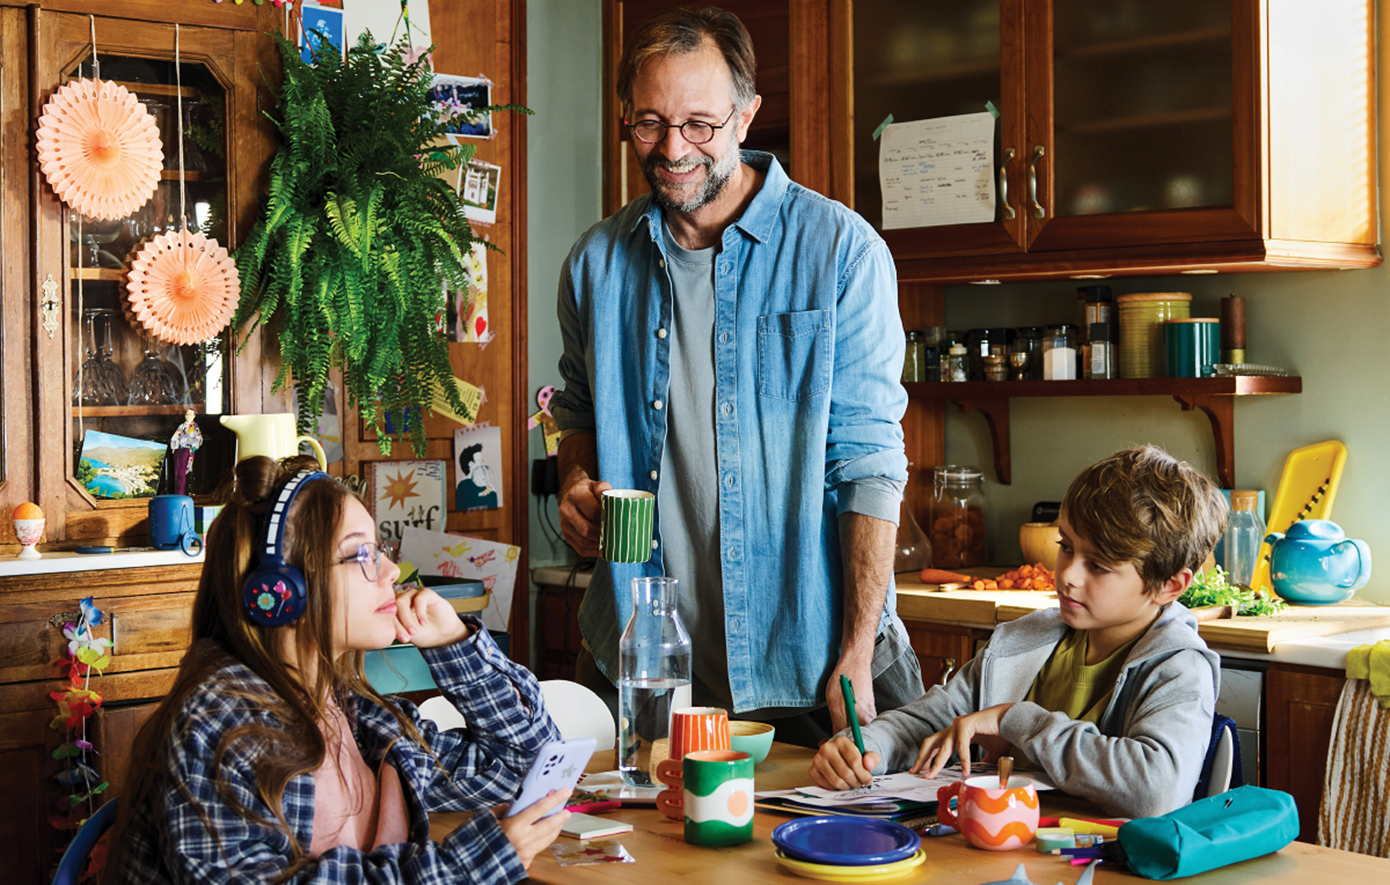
(55, 562)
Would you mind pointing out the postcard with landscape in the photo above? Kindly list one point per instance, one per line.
(120, 467)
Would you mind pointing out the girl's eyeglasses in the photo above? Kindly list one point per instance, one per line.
(368, 556)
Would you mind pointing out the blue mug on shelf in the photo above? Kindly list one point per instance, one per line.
(171, 524)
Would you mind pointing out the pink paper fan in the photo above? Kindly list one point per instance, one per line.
(183, 287)
(99, 148)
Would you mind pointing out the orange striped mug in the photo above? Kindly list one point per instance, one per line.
(988, 815)
(692, 729)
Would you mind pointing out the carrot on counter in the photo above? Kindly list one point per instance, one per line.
(941, 576)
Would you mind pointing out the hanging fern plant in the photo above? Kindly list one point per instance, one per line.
(360, 237)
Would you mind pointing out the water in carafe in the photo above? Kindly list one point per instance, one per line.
(653, 675)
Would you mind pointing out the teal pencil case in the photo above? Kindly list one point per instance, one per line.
(1213, 832)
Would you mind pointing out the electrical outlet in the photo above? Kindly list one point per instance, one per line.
(545, 476)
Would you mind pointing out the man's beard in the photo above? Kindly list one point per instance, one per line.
(717, 175)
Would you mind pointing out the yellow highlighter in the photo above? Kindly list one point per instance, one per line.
(1088, 827)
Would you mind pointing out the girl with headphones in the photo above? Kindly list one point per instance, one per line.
(272, 759)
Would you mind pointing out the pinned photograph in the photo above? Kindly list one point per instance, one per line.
(114, 466)
(478, 468)
(469, 305)
(479, 183)
(461, 101)
(320, 32)
(403, 494)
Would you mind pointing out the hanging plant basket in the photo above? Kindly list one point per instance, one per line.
(183, 287)
(99, 148)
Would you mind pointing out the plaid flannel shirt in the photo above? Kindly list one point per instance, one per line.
(486, 762)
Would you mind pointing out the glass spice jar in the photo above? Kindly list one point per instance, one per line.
(914, 358)
(958, 517)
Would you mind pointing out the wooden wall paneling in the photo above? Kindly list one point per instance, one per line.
(18, 299)
(839, 129)
(924, 424)
(811, 98)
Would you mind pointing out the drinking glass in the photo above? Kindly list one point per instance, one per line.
(153, 384)
(88, 390)
(113, 378)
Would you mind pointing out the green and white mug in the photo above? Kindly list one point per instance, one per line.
(718, 798)
(625, 529)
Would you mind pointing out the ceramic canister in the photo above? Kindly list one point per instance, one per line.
(1142, 315)
(718, 797)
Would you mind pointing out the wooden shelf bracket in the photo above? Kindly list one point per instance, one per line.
(1220, 410)
(996, 412)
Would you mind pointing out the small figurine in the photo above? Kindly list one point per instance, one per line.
(185, 441)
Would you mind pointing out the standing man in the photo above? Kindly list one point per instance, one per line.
(732, 344)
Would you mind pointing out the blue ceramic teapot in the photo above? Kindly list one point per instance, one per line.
(1316, 563)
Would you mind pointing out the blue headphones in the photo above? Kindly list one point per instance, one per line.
(275, 592)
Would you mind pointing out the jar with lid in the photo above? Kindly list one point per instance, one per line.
(956, 365)
(977, 346)
(958, 517)
(914, 358)
(1027, 343)
(948, 340)
(1059, 353)
(995, 369)
(1100, 353)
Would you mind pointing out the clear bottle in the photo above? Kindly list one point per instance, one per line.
(913, 550)
(1245, 532)
(1059, 353)
(957, 364)
(1100, 353)
(914, 358)
(958, 518)
(653, 675)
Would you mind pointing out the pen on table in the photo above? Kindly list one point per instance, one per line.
(847, 689)
(104, 549)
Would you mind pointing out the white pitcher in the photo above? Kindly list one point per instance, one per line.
(272, 435)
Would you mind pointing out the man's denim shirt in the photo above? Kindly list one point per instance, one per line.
(808, 352)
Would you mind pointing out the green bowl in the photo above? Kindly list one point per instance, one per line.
(753, 738)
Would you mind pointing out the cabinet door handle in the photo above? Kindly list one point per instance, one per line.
(1038, 210)
(948, 666)
(1009, 213)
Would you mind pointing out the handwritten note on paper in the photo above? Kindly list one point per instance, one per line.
(937, 171)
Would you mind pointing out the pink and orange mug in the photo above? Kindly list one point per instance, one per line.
(692, 729)
(988, 815)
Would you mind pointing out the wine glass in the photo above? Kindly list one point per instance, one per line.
(113, 378)
(153, 384)
(88, 390)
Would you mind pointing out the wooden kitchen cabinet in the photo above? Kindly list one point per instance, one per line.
(942, 649)
(1132, 138)
(1300, 705)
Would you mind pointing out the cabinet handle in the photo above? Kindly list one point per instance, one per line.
(50, 305)
(1038, 210)
(1009, 213)
(948, 666)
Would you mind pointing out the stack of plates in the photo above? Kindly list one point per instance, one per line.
(842, 848)
(1142, 315)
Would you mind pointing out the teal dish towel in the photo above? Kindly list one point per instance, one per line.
(1214, 832)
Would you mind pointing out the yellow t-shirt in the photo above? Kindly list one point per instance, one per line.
(1067, 684)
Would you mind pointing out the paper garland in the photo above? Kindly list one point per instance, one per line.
(99, 148)
(183, 287)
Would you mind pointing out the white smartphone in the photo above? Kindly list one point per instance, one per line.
(557, 766)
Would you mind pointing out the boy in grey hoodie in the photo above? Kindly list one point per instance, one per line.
(1112, 693)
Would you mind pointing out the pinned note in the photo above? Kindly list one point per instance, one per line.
(938, 171)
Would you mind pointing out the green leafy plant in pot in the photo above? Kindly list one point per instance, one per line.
(360, 237)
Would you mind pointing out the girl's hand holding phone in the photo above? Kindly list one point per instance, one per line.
(530, 831)
(426, 620)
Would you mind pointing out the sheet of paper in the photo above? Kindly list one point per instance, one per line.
(910, 787)
(937, 171)
(494, 563)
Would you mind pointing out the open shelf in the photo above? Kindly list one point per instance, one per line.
(1214, 396)
(113, 274)
(1132, 122)
(168, 89)
(1218, 36)
(136, 411)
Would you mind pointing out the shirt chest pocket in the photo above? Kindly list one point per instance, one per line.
(794, 354)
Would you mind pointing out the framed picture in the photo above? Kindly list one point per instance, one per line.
(461, 99)
(321, 30)
(114, 466)
(479, 183)
(405, 493)
(478, 468)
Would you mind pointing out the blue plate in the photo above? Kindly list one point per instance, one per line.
(846, 841)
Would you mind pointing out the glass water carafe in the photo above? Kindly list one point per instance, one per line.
(653, 675)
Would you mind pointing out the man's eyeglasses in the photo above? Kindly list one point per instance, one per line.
(693, 131)
(368, 556)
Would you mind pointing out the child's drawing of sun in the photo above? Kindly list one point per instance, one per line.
(400, 487)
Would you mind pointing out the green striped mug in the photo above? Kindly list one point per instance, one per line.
(718, 797)
(625, 530)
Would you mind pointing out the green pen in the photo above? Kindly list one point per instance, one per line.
(847, 689)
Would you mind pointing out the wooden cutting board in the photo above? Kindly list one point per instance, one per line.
(1295, 622)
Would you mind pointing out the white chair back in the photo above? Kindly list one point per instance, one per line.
(578, 712)
(444, 713)
(1222, 763)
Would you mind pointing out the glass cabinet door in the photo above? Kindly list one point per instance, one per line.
(127, 391)
(920, 61)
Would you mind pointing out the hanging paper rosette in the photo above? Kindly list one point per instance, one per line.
(183, 287)
(99, 148)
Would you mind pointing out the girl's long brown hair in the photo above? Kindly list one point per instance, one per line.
(224, 634)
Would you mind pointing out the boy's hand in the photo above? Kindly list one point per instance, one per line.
(528, 832)
(427, 620)
(838, 765)
(980, 728)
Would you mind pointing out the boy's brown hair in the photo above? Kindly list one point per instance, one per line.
(1144, 506)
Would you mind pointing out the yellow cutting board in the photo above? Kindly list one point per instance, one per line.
(1307, 489)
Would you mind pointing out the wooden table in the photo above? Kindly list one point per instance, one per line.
(663, 857)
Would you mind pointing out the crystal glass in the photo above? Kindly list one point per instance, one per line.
(88, 390)
(114, 378)
(153, 384)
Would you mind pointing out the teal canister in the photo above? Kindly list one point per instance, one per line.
(1191, 347)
